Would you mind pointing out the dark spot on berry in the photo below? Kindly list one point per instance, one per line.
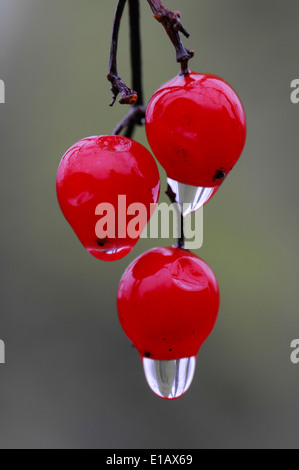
(101, 242)
(219, 175)
(163, 339)
(170, 350)
(194, 332)
(147, 354)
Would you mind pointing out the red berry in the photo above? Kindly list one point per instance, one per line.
(168, 302)
(98, 170)
(196, 127)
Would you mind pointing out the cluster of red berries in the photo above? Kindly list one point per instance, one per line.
(168, 298)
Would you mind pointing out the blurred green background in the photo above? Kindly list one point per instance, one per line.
(72, 379)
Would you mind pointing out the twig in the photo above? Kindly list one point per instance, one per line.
(136, 115)
(128, 96)
(136, 59)
(181, 238)
(171, 20)
(173, 26)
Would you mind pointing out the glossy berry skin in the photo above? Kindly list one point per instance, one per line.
(196, 127)
(168, 302)
(97, 170)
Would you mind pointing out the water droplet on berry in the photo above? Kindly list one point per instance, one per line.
(110, 255)
(113, 252)
(190, 198)
(169, 379)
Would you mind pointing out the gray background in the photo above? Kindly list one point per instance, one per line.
(72, 379)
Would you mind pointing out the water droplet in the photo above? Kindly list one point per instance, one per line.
(109, 255)
(169, 379)
(113, 252)
(190, 198)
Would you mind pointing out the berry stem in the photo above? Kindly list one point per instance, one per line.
(181, 239)
(128, 96)
(171, 21)
(136, 56)
(135, 117)
(136, 114)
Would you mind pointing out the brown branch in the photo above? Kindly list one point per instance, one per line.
(171, 21)
(173, 26)
(173, 199)
(136, 115)
(135, 45)
(128, 96)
